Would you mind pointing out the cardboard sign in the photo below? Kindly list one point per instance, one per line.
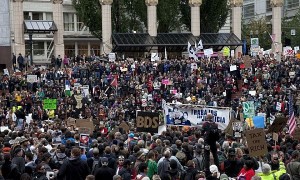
(71, 122)
(32, 78)
(111, 57)
(49, 103)
(275, 137)
(124, 126)
(256, 141)
(85, 126)
(247, 61)
(278, 124)
(147, 122)
(296, 134)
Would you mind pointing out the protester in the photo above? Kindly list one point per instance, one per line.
(34, 138)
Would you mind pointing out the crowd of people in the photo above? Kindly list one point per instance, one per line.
(114, 91)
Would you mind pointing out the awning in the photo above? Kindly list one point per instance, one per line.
(172, 41)
(38, 26)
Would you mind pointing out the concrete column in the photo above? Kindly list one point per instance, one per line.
(195, 16)
(106, 26)
(17, 26)
(276, 24)
(236, 7)
(152, 16)
(59, 47)
(5, 28)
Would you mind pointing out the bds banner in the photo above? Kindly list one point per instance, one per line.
(190, 115)
(147, 122)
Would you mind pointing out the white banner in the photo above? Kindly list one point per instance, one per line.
(190, 115)
(31, 78)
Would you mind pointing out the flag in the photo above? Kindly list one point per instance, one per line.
(114, 82)
(166, 56)
(191, 50)
(292, 121)
(272, 37)
(200, 45)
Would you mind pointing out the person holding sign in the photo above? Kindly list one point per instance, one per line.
(211, 135)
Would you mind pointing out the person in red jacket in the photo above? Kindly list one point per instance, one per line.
(247, 171)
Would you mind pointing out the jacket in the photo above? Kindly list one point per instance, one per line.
(293, 168)
(104, 172)
(125, 174)
(274, 175)
(73, 169)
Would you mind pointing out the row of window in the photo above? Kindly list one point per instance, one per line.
(72, 22)
(249, 9)
(41, 48)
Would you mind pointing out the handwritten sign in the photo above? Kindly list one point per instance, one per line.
(49, 103)
(32, 78)
(256, 141)
(71, 122)
(85, 126)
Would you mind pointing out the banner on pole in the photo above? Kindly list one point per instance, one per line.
(190, 115)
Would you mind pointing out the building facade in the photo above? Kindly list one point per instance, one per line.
(262, 8)
(74, 35)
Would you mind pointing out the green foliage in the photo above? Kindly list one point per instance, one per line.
(129, 15)
(261, 29)
(213, 15)
(89, 12)
(168, 15)
(287, 26)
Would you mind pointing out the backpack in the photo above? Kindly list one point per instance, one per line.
(221, 156)
(199, 161)
(213, 132)
(165, 167)
(95, 165)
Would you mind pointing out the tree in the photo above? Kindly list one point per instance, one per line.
(260, 29)
(90, 13)
(213, 15)
(287, 25)
(131, 15)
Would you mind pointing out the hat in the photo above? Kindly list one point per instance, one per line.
(214, 169)
(139, 154)
(131, 135)
(224, 177)
(23, 139)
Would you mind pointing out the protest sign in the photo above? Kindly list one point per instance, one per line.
(111, 57)
(278, 124)
(256, 141)
(71, 122)
(147, 122)
(237, 128)
(84, 140)
(85, 126)
(78, 99)
(248, 109)
(247, 61)
(190, 115)
(49, 104)
(32, 78)
(275, 137)
(233, 68)
(296, 134)
(258, 121)
(124, 126)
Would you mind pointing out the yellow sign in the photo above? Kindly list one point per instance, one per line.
(226, 51)
(298, 56)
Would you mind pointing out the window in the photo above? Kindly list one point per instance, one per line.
(83, 49)
(49, 16)
(38, 49)
(268, 6)
(70, 50)
(80, 24)
(95, 49)
(248, 1)
(248, 10)
(292, 3)
(37, 16)
(69, 21)
(26, 16)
